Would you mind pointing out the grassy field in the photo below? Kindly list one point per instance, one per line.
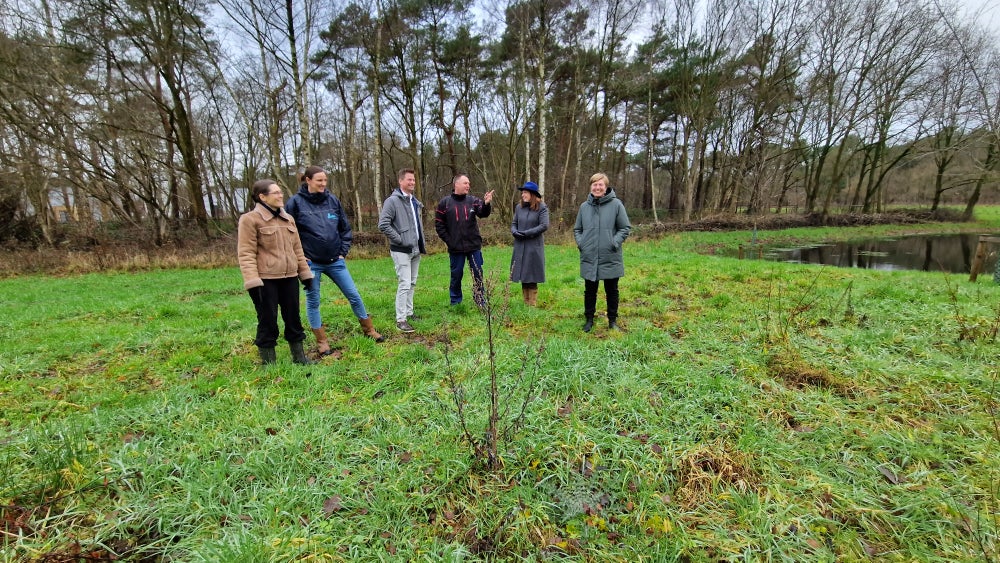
(750, 410)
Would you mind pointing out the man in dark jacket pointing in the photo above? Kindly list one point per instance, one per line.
(456, 224)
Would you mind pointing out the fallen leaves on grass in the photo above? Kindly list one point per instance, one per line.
(890, 475)
(566, 408)
(332, 504)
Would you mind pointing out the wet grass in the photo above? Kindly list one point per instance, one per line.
(750, 410)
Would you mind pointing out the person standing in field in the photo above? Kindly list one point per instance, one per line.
(326, 239)
(400, 223)
(272, 263)
(531, 220)
(601, 228)
(456, 223)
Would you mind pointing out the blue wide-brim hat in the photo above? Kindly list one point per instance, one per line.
(531, 187)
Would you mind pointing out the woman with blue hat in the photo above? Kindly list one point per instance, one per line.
(531, 220)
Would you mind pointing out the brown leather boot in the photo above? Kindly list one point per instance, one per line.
(532, 297)
(321, 342)
(525, 293)
(370, 332)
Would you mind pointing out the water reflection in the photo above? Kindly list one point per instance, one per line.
(948, 253)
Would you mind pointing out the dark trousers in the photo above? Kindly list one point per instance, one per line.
(475, 259)
(284, 294)
(590, 297)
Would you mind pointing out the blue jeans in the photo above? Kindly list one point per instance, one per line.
(475, 259)
(340, 276)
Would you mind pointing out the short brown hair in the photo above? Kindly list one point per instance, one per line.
(403, 172)
(261, 187)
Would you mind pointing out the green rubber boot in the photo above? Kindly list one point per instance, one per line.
(298, 354)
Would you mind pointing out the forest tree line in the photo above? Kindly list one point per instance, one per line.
(159, 114)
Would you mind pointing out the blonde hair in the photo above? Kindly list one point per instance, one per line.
(600, 176)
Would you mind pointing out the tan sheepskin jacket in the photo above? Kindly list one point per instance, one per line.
(269, 248)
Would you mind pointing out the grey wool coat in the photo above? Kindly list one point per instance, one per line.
(602, 226)
(527, 265)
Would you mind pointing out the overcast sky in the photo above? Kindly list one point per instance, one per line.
(986, 11)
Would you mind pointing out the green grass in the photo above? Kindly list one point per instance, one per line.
(751, 410)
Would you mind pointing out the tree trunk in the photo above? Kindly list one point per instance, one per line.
(543, 134)
(377, 111)
(992, 158)
(650, 146)
(305, 148)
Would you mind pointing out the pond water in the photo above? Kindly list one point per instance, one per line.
(948, 253)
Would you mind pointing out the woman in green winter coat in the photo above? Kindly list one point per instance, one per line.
(601, 227)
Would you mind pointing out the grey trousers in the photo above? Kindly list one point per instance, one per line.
(407, 268)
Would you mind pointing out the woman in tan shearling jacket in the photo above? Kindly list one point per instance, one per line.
(271, 261)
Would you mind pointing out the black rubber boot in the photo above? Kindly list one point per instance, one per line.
(267, 356)
(589, 325)
(298, 354)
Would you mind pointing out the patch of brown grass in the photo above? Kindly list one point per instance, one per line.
(708, 468)
(788, 366)
(116, 258)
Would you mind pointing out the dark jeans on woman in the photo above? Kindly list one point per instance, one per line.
(284, 294)
(590, 297)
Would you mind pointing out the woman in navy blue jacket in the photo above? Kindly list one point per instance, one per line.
(326, 239)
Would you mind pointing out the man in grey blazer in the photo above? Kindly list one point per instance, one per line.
(400, 223)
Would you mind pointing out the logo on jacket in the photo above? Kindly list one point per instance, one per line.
(331, 216)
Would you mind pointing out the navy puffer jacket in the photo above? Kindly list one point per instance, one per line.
(323, 227)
